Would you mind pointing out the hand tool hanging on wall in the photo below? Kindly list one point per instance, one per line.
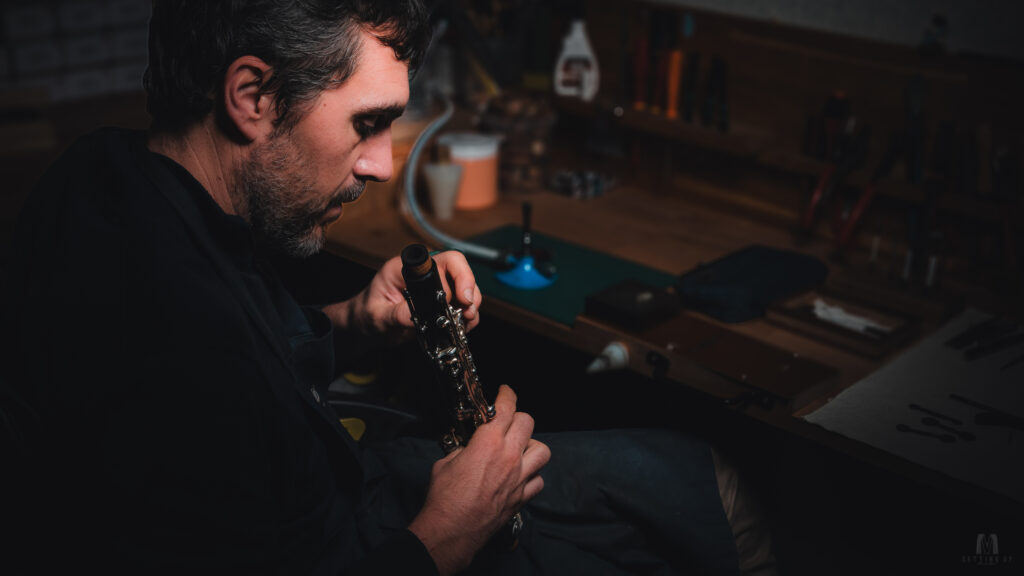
(821, 145)
(641, 62)
(923, 238)
(691, 71)
(662, 43)
(715, 109)
(851, 219)
(676, 67)
(1006, 192)
(676, 58)
(915, 129)
(834, 115)
(722, 95)
(844, 142)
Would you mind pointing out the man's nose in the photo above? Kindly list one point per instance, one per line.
(375, 162)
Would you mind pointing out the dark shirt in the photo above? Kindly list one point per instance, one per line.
(170, 392)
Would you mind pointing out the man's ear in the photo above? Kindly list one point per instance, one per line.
(247, 107)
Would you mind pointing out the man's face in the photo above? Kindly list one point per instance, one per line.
(293, 184)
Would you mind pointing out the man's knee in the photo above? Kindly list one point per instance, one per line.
(746, 518)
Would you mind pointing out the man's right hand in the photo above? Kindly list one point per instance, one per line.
(475, 490)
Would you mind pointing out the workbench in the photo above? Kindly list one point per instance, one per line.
(668, 234)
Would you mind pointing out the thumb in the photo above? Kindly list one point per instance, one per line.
(401, 315)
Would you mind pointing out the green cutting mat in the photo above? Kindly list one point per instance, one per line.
(580, 272)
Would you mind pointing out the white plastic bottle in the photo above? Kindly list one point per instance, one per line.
(576, 72)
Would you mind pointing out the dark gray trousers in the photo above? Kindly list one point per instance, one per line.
(614, 502)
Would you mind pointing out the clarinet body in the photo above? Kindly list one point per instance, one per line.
(442, 335)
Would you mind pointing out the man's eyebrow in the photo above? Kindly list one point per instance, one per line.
(389, 112)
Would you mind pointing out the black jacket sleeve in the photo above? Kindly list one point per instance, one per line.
(403, 553)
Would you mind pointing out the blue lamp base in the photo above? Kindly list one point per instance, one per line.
(524, 275)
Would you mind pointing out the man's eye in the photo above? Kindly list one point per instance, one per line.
(371, 126)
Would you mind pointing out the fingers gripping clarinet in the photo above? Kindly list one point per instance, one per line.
(492, 465)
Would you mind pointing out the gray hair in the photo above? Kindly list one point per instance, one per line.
(310, 45)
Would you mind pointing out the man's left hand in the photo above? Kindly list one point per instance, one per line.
(380, 308)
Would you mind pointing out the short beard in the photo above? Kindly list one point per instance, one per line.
(280, 202)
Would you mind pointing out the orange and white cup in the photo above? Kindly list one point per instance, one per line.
(477, 153)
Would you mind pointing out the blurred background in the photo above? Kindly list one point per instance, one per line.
(744, 104)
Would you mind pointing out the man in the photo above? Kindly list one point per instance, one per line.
(172, 391)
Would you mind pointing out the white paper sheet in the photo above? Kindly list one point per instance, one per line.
(926, 375)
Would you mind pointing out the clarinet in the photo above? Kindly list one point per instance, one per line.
(442, 335)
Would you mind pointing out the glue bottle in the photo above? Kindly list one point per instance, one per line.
(576, 72)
